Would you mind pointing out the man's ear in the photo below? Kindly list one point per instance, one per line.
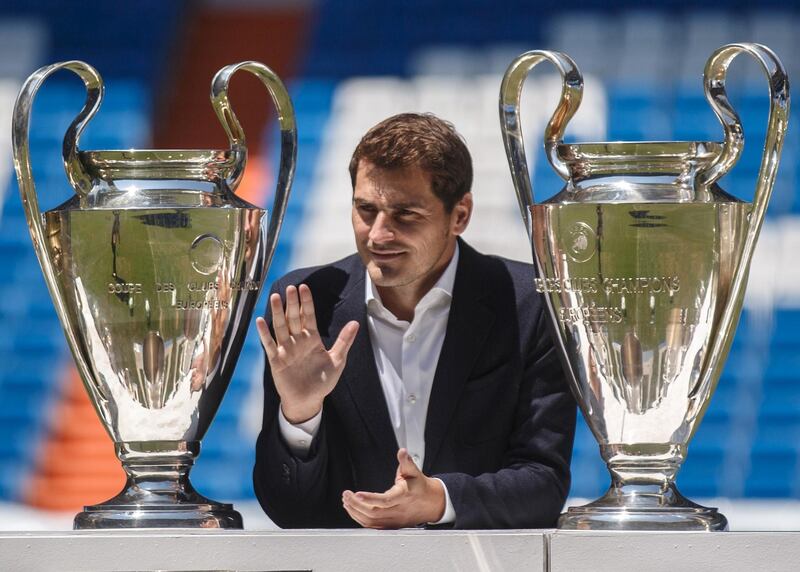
(462, 211)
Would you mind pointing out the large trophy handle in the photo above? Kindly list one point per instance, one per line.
(714, 82)
(288, 126)
(510, 95)
(77, 177)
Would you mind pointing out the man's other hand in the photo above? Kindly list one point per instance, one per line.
(414, 499)
(303, 370)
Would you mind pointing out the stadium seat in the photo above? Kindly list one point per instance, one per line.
(702, 474)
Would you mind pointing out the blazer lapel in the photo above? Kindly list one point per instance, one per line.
(360, 377)
(468, 326)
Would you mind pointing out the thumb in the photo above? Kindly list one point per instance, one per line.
(345, 341)
(406, 467)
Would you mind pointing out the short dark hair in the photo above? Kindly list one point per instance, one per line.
(419, 140)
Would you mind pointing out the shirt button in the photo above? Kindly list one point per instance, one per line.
(411, 338)
(286, 470)
(412, 399)
(416, 459)
(303, 441)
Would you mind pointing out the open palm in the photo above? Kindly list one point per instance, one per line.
(303, 370)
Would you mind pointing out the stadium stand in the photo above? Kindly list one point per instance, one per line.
(367, 61)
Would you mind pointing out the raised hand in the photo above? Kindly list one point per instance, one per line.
(303, 370)
(414, 499)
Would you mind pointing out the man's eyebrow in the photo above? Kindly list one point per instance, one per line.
(359, 201)
(393, 206)
(407, 205)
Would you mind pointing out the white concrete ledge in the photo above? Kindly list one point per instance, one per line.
(673, 551)
(406, 550)
(318, 550)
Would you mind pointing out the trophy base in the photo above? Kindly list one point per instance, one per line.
(209, 516)
(159, 504)
(643, 507)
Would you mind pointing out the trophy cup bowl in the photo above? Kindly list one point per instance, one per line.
(643, 261)
(154, 267)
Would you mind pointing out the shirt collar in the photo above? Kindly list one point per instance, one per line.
(442, 289)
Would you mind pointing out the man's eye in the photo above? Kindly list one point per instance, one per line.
(405, 215)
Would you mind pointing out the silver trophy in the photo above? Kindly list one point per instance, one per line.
(154, 267)
(643, 260)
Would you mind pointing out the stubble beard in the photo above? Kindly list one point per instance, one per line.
(386, 277)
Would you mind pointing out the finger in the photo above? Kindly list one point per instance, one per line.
(278, 319)
(266, 338)
(293, 311)
(344, 342)
(307, 315)
(389, 499)
(407, 467)
(355, 516)
(367, 516)
(374, 510)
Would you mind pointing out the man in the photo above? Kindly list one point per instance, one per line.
(441, 399)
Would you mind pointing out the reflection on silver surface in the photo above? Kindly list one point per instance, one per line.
(154, 267)
(643, 260)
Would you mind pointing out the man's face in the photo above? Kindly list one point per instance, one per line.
(404, 234)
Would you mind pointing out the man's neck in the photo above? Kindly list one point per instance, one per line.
(402, 301)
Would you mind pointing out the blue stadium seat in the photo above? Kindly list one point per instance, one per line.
(712, 437)
(223, 480)
(585, 443)
(780, 434)
(637, 97)
(12, 477)
(781, 399)
(691, 125)
(312, 95)
(787, 329)
(590, 476)
(21, 373)
(22, 406)
(20, 441)
(773, 463)
(772, 474)
(702, 474)
(34, 336)
(782, 367)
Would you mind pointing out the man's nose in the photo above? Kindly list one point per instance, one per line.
(381, 230)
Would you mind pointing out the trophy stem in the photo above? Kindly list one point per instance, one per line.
(643, 495)
(158, 493)
(643, 463)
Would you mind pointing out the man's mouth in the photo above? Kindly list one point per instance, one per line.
(385, 255)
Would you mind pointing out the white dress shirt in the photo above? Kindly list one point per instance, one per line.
(406, 356)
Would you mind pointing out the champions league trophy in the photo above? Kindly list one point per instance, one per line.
(154, 267)
(643, 260)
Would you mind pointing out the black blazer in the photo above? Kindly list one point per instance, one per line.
(500, 420)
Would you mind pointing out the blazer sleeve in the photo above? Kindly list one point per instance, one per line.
(300, 492)
(532, 485)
